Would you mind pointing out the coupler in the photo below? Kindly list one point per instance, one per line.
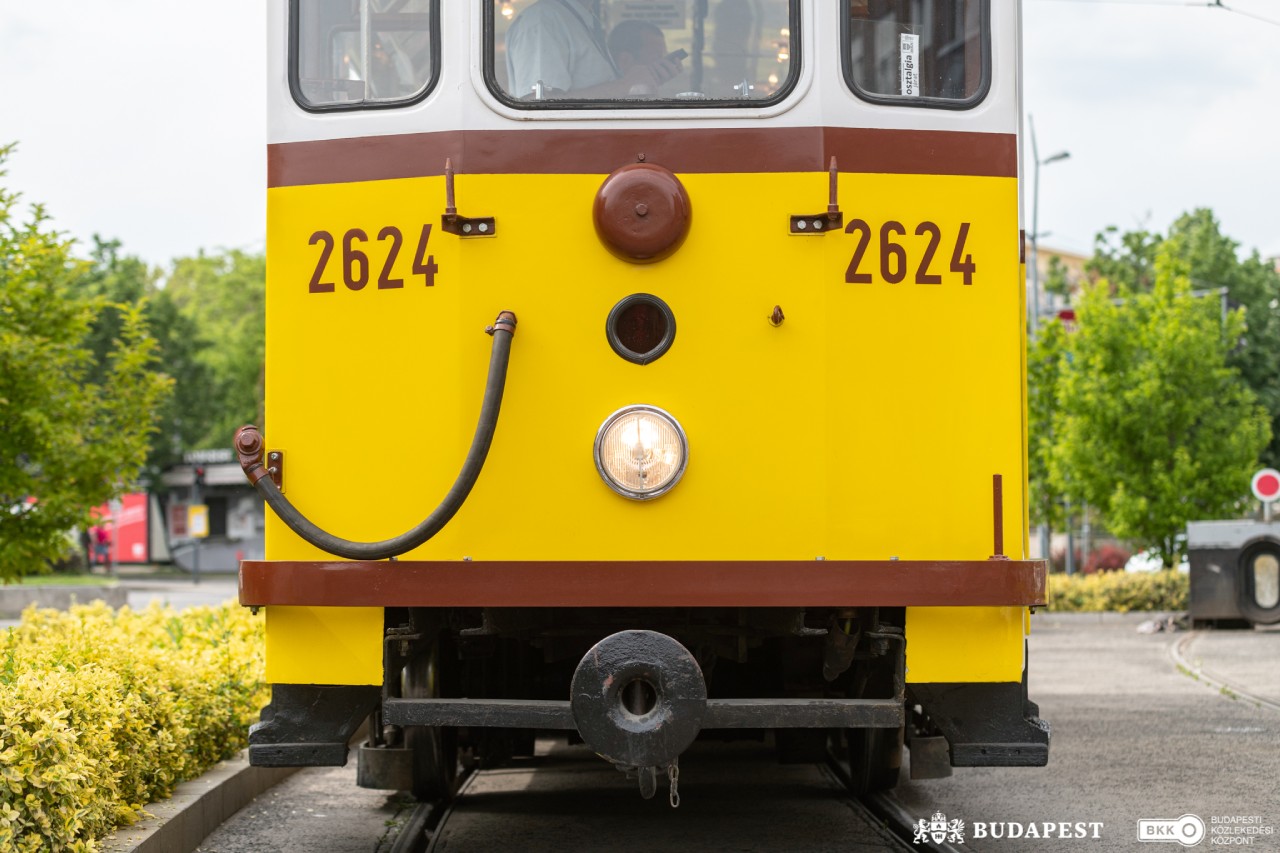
(639, 699)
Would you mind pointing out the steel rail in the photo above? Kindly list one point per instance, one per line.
(1178, 652)
(891, 814)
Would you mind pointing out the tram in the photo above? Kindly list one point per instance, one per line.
(644, 370)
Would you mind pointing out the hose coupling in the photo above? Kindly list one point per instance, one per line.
(248, 443)
(506, 322)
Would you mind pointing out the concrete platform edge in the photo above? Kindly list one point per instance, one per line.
(182, 822)
(15, 599)
(1045, 616)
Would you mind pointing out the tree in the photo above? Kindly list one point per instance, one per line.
(1056, 279)
(1046, 356)
(225, 296)
(1126, 260)
(66, 443)
(1154, 427)
(183, 418)
(1212, 262)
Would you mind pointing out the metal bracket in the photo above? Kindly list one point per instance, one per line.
(997, 501)
(309, 725)
(463, 226)
(385, 768)
(820, 223)
(275, 468)
(987, 724)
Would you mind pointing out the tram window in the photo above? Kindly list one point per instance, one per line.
(918, 52)
(362, 53)
(603, 54)
(1266, 580)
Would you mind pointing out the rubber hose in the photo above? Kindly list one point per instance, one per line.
(440, 516)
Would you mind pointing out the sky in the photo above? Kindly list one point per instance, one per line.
(144, 120)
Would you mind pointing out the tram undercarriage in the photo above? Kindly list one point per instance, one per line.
(476, 685)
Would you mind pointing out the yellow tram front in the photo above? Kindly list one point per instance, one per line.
(745, 445)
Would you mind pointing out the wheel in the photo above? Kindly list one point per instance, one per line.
(874, 755)
(875, 759)
(435, 748)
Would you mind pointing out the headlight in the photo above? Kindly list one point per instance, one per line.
(641, 452)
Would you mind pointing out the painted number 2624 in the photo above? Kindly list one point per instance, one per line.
(898, 257)
(358, 258)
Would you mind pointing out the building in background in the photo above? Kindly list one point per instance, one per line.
(1061, 275)
(233, 520)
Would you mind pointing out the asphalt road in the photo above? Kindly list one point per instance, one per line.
(181, 592)
(1133, 738)
(1240, 658)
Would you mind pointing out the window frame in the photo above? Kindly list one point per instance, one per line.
(984, 85)
(295, 79)
(795, 18)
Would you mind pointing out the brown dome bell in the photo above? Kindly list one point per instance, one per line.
(642, 213)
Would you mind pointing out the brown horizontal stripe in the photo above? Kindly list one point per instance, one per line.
(539, 151)
(810, 583)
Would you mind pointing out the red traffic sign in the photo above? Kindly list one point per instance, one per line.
(1266, 485)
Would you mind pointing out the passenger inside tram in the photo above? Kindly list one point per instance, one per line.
(656, 51)
(557, 49)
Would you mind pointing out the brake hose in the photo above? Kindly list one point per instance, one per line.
(249, 448)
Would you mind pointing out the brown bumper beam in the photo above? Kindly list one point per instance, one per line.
(826, 583)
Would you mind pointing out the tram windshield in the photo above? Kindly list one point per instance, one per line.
(641, 53)
(348, 53)
(918, 52)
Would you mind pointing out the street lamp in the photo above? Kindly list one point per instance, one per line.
(1035, 299)
(1035, 221)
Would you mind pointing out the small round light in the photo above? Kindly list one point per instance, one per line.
(641, 452)
(641, 328)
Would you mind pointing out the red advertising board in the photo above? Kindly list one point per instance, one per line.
(127, 527)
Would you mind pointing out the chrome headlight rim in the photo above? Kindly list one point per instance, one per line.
(619, 488)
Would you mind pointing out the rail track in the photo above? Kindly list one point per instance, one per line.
(1200, 750)
(882, 822)
(1179, 651)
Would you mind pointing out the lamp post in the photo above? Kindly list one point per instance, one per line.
(1035, 221)
(1035, 298)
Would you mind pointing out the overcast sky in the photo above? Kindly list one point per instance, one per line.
(144, 120)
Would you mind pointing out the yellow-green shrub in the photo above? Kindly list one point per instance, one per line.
(102, 712)
(1119, 591)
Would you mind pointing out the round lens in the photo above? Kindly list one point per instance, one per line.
(641, 328)
(641, 452)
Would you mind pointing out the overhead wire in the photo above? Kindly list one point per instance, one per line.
(1220, 5)
(1209, 4)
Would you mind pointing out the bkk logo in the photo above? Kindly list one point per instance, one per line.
(1187, 830)
(1222, 830)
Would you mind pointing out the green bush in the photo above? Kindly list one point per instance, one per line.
(102, 712)
(1119, 591)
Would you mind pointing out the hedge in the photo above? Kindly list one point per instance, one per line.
(1119, 591)
(104, 711)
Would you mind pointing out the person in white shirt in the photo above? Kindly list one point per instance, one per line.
(557, 49)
